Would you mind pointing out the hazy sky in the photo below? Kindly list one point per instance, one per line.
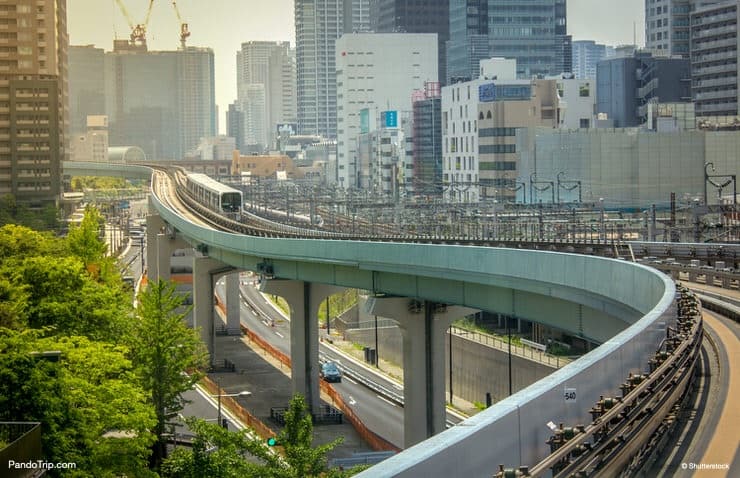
(224, 24)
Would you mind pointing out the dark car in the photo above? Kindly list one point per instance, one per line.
(330, 372)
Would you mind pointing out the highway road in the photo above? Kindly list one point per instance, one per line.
(380, 415)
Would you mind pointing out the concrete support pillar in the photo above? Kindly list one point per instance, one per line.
(204, 269)
(424, 331)
(164, 253)
(154, 225)
(233, 301)
(304, 299)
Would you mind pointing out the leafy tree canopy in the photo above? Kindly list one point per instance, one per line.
(92, 411)
(60, 293)
(219, 453)
(162, 347)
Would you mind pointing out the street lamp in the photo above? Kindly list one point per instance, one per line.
(243, 393)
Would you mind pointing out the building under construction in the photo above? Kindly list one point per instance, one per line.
(160, 101)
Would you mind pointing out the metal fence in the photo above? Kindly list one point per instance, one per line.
(518, 350)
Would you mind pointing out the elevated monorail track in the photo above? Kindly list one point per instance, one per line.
(622, 427)
(254, 225)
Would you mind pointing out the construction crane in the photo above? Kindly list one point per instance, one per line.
(184, 32)
(138, 30)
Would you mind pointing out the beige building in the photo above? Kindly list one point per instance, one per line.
(93, 145)
(33, 99)
(265, 166)
(498, 122)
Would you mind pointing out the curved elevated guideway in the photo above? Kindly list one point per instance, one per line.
(625, 306)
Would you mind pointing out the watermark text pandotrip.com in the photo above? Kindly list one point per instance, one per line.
(40, 465)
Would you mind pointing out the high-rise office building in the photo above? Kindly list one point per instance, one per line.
(86, 86)
(468, 43)
(160, 101)
(427, 140)
(667, 26)
(534, 32)
(626, 86)
(715, 74)
(376, 72)
(33, 99)
(408, 16)
(269, 66)
(318, 23)
(235, 124)
(586, 54)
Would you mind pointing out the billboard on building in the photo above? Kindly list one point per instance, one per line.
(364, 120)
(389, 119)
(288, 129)
(487, 93)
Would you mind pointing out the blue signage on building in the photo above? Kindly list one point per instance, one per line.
(487, 93)
(389, 119)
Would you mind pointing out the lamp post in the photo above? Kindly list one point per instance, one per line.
(243, 393)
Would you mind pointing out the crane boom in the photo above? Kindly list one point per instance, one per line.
(138, 30)
(125, 14)
(184, 31)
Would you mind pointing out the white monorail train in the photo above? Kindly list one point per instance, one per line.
(214, 195)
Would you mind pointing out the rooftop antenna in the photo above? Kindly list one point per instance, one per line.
(634, 33)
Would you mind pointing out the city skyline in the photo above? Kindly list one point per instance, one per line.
(216, 25)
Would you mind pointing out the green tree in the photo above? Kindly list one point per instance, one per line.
(12, 212)
(219, 453)
(12, 305)
(61, 294)
(162, 349)
(296, 438)
(18, 242)
(91, 408)
(84, 239)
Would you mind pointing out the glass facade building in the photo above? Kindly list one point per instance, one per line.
(468, 43)
(532, 31)
(427, 150)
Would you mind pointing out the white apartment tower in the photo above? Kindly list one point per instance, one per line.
(266, 82)
(377, 72)
(318, 23)
(667, 26)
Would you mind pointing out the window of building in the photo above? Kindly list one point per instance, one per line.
(584, 123)
(584, 90)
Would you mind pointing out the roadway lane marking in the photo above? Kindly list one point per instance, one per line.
(265, 322)
(349, 380)
(352, 401)
(386, 401)
(279, 334)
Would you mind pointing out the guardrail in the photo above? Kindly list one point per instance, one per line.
(233, 406)
(375, 441)
(503, 345)
(728, 310)
(23, 445)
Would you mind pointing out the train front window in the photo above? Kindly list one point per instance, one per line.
(231, 202)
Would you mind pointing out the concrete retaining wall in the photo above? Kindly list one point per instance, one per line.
(476, 368)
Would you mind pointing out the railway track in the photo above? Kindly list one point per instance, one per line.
(624, 430)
